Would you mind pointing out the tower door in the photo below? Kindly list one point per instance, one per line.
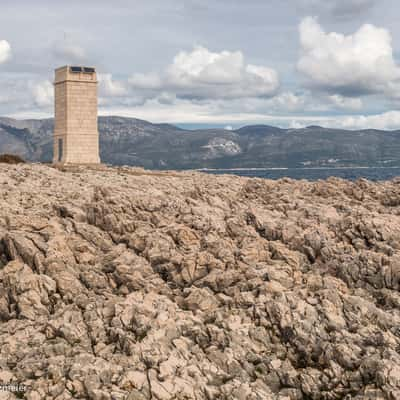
(60, 150)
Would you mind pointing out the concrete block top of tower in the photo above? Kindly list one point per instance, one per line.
(75, 74)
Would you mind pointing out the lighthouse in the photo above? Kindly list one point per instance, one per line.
(76, 136)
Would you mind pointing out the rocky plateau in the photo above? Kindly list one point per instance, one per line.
(121, 283)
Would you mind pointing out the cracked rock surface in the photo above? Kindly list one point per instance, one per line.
(118, 283)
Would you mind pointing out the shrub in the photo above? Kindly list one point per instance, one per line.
(11, 159)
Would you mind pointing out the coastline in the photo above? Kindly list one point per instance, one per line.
(290, 168)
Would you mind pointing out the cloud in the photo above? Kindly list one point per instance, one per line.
(26, 94)
(109, 87)
(202, 74)
(288, 101)
(204, 67)
(339, 8)
(145, 81)
(114, 92)
(352, 65)
(285, 109)
(293, 124)
(223, 112)
(5, 51)
(351, 7)
(388, 120)
(346, 103)
(69, 51)
(43, 94)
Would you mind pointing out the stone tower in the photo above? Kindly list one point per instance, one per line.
(76, 138)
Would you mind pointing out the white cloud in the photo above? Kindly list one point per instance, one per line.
(388, 120)
(5, 51)
(288, 101)
(207, 112)
(110, 87)
(305, 102)
(285, 109)
(350, 65)
(293, 124)
(43, 94)
(69, 51)
(166, 98)
(202, 74)
(308, 102)
(346, 103)
(27, 93)
(145, 81)
(204, 67)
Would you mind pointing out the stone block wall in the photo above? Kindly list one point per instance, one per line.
(76, 117)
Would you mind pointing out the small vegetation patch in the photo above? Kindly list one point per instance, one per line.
(11, 159)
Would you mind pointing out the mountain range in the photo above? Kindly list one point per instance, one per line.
(130, 141)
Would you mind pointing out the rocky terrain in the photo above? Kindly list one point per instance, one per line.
(120, 283)
(130, 141)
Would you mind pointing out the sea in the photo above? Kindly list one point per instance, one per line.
(314, 174)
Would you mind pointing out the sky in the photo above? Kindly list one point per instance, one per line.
(210, 63)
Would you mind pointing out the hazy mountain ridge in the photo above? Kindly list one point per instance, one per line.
(129, 141)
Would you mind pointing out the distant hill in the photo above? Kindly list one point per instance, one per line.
(129, 141)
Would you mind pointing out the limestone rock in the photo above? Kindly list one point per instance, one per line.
(120, 283)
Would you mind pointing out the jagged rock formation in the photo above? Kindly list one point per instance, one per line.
(126, 284)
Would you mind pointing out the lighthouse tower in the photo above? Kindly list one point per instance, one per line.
(76, 137)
